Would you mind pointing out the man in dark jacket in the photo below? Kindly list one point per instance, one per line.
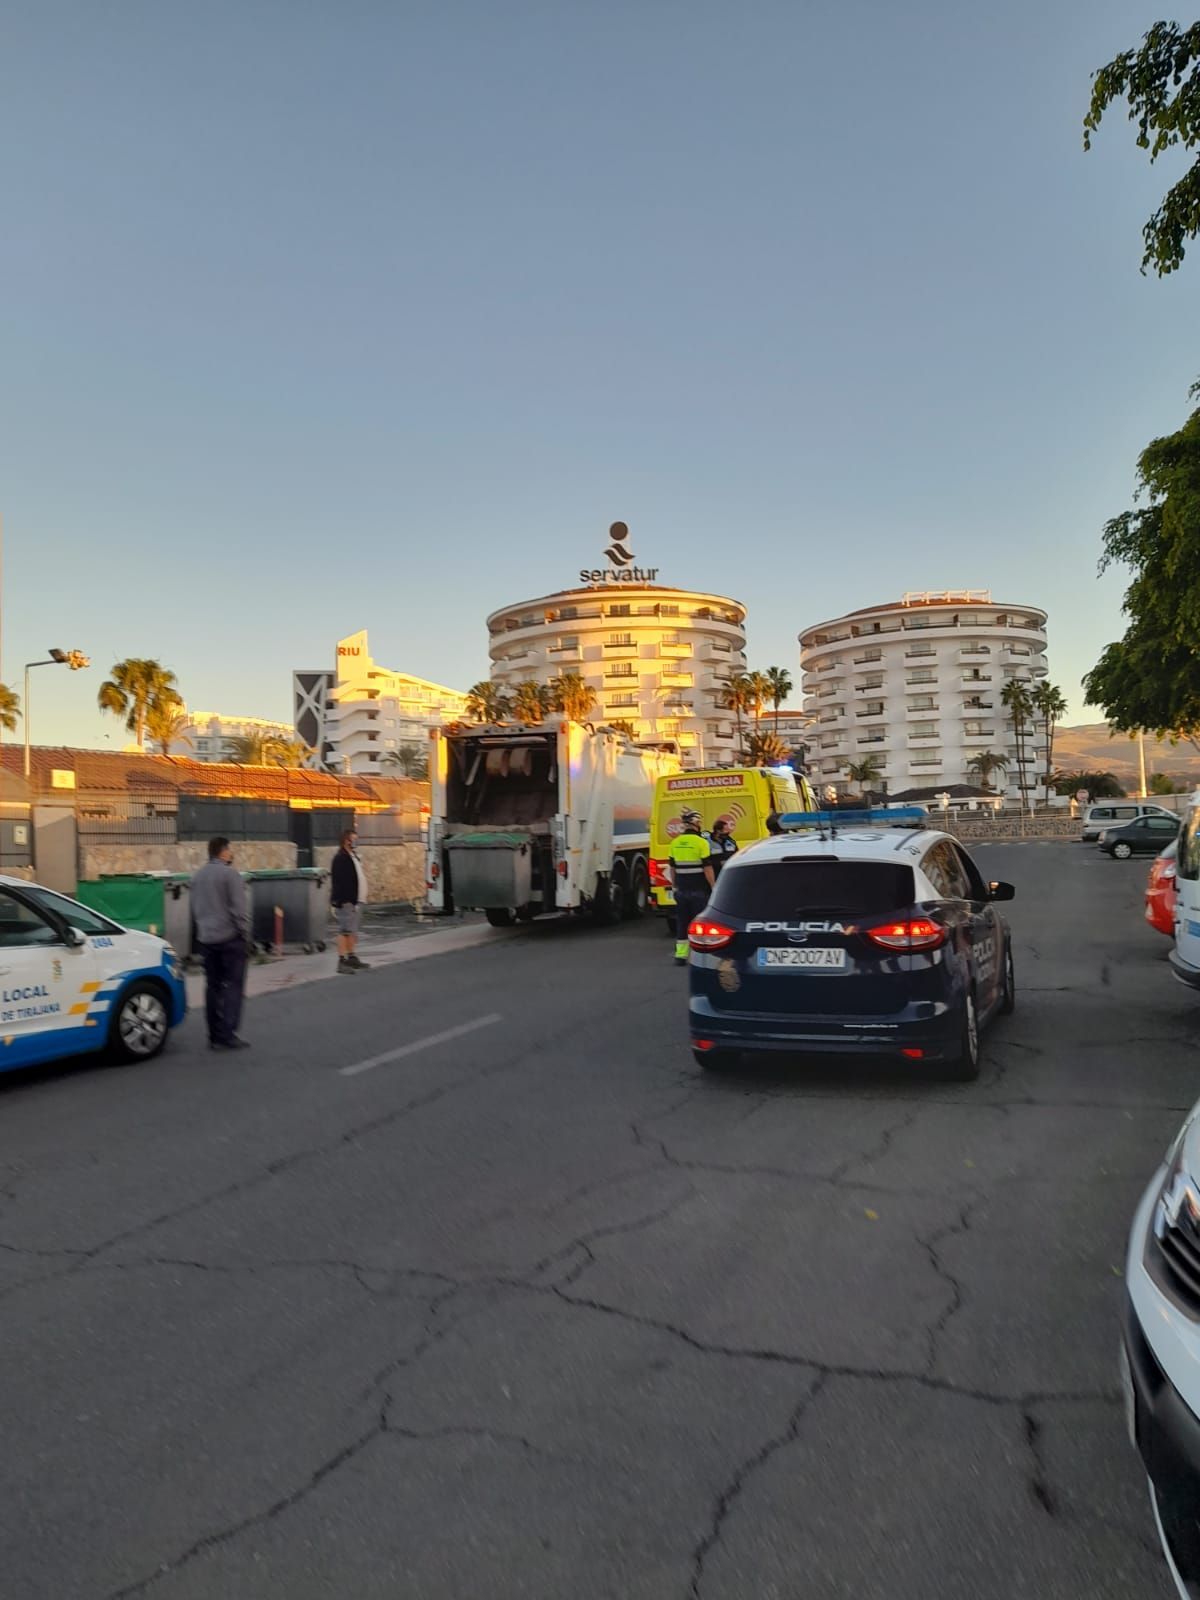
(348, 892)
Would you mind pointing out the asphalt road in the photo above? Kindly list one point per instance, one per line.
(540, 1311)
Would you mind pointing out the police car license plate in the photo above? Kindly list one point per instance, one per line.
(818, 957)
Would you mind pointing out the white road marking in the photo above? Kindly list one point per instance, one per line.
(419, 1044)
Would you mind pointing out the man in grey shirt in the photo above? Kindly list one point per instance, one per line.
(223, 932)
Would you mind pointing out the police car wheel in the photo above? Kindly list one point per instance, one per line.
(139, 1028)
(963, 1067)
(500, 917)
(1008, 995)
(717, 1060)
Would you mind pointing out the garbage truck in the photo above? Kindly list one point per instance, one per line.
(532, 820)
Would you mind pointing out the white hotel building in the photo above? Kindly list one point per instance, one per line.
(360, 715)
(658, 658)
(917, 684)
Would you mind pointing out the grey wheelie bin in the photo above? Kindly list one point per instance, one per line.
(302, 894)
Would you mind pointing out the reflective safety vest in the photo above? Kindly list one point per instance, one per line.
(689, 854)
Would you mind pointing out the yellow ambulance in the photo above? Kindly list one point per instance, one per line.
(744, 796)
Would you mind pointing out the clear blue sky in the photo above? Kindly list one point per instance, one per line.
(377, 314)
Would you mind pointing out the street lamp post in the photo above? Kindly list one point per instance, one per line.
(75, 659)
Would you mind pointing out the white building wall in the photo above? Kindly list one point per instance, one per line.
(656, 657)
(371, 713)
(918, 685)
(210, 735)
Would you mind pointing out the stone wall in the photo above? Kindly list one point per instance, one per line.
(395, 872)
(1039, 826)
(248, 856)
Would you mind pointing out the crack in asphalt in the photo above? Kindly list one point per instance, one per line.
(1039, 1484)
(220, 1536)
(383, 1429)
(957, 1291)
(742, 1473)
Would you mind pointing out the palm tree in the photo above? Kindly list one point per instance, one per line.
(1050, 703)
(1015, 695)
(531, 702)
(984, 764)
(864, 772)
(167, 724)
(767, 749)
(281, 752)
(759, 687)
(573, 696)
(622, 725)
(411, 761)
(486, 702)
(135, 687)
(737, 697)
(265, 749)
(10, 708)
(780, 680)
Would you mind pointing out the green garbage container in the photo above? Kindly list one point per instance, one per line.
(301, 893)
(152, 902)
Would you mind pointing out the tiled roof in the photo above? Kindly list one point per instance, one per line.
(109, 771)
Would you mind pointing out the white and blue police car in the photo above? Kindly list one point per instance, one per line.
(72, 982)
(1160, 1356)
(851, 933)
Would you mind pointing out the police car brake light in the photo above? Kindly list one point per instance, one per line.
(912, 933)
(705, 934)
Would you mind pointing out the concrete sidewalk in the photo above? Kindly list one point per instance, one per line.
(288, 971)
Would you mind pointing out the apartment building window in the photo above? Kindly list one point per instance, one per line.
(621, 669)
(622, 700)
(619, 639)
(923, 675)
(873, 708)
(922, 702)
(620, 610)
(566, 641)
(923, 730)
(668, 611)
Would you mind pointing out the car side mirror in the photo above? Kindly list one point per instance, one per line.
(1001, 891)
(72, 938)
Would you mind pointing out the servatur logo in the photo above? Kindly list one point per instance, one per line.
(622, 558)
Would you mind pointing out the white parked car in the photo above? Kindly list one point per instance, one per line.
(1160, 1358)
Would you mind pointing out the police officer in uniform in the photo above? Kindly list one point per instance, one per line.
(724, 845)
(692, 877)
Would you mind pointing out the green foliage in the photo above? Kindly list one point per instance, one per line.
(767, 749)
(138, 686)
(1100, 785)
(1160, 783)
(1150, 678)
(487, 702)
(864, 773)
(780, 681)
(10, 708)
(573, 696)
(985, 764)
(531, 702)
(166, 724)
(1161, 82)
(263, 749)
(412, 762)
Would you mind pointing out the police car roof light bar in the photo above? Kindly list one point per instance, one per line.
(897, 817)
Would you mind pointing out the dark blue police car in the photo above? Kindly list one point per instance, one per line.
(851, 933)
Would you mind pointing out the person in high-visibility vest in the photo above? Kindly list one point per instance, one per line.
(692, 877)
